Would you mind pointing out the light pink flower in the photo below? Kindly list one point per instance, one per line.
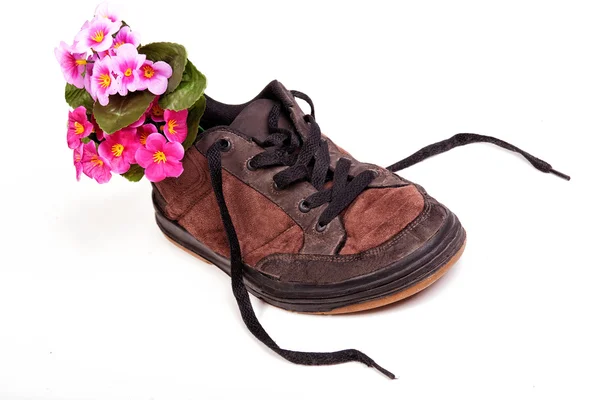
(94, 165)
(124, 36)
(103, 83)
(96, 35)
(159, 158)
(72, 64)
(78, 127)
(144, 131)
(87, 79)
(154, 76)
(119, 149)
(175, 128)
(156, 112)
(77, 154)
(109, 11)
(127, 65)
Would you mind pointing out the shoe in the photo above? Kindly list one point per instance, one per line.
(299, 223)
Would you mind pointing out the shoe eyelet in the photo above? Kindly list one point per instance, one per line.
(303, 207)
(320, 227)
(224, 144)
(249, 165)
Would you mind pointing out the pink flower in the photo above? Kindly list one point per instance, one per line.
(119, 149)
(87, 79)
(124, 36)
(77, 154)
(139, 122)
(144, 131)
(96, 35)
(109, 11)
(94, 165)
(175, 125)
(78, 127)
(159, 158)
(97, 130)
(72, 64)
(154, 76)
(127, 65)
(103, 82)
(156, 112)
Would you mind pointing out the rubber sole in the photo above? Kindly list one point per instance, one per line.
(396, 282)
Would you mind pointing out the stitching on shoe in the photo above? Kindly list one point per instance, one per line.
(348, 258)
(277, 237)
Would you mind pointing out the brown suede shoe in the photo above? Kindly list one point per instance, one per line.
(300, 223)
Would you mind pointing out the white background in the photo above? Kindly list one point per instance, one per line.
(96, 304)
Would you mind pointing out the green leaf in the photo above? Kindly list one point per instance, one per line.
(134, 174)
(78, 97)
(193, 121)
(173, 54)
(188, 92)
(122, 111)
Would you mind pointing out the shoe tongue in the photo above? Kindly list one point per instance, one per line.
(254, 119)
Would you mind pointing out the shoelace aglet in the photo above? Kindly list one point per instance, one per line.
(560, 174)
(383, 370)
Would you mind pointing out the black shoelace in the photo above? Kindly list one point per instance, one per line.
(309, 160)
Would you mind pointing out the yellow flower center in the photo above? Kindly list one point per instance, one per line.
(117, 149)
(159, 157)
(116, 45)
(128, 72)
(148, 71)
(143, 138)
(78, 128)
(104, 80)
(98, 36)
(96, 162)
(77, 158)
(171, 125)
(81, 61)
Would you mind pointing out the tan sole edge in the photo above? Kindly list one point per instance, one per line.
(368, 305)
(384, 301)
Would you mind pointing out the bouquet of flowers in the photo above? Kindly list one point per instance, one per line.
(135, 109)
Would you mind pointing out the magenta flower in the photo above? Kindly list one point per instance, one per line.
(97, 130)
(175, 128)
(119, 149)
(78, 127)
(77, 154)
(154, 76)
(139, 122)
(103, 82)
(96, 35)
(144, 131)
(127, 65)
(109, 11)
(159, 158)
(72, 64)
(156, 112)
(124, 36)
(94, 165)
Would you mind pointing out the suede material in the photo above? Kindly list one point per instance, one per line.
(262, 227)
(316, 269)
(180, 194)
(379, 214)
